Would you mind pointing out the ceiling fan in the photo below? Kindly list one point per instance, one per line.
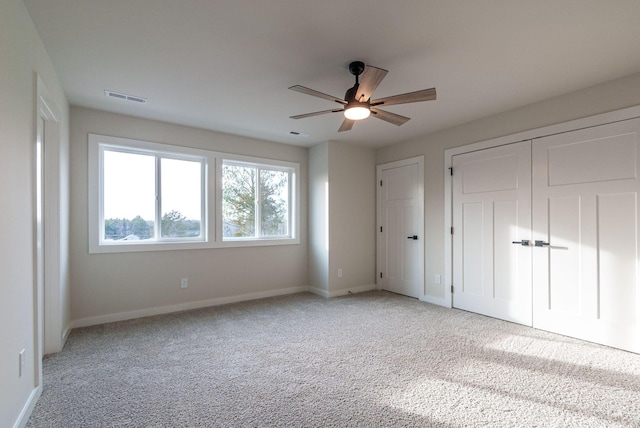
(357, 103)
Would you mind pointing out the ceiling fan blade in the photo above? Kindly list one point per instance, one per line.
(315, 93)
(396, 119)
(316, 113)
(410, 97)
(346, 125)
(369, 81)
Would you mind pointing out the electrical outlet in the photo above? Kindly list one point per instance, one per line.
(21, 362)
(339, 273)
(184, 283)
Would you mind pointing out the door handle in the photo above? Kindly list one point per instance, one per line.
(414, 237)
(524, 242)
(541, 244)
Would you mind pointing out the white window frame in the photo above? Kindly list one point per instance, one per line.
(293, 218)
(211, 233)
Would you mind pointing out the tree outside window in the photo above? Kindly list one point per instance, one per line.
(146, 196)
(255, 201)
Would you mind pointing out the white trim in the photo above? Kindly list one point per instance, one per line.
(212, 191)
(319, 291)
(447, 300)
(140, 313)
(440, 301)
(65, 334)
(294, 192)
(558, 128)
(96, 144)
(398, 164)
(28, 407)
(532, 134)
(51, 195)
(343, 291)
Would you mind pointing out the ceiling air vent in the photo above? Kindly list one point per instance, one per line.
(299, 134)
(125, 97)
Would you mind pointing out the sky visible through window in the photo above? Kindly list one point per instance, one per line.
(129, 186)
(156, 196)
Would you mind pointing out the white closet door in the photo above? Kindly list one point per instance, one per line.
(585, 207)
(491, 210)
(402, 220)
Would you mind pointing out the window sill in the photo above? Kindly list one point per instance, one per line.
(180, 246)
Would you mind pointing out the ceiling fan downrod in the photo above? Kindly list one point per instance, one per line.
(356, 68)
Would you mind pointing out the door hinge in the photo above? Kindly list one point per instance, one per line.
(451, 170)
(380, 228)
(452, 230)
(380, 274)
(452, 289)
(380, 183)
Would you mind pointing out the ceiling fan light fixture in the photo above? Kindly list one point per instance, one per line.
(357, 111)
(358, 100)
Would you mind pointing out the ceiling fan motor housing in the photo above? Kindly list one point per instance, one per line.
(350, 95)
(352, 102)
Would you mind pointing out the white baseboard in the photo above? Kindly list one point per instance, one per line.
(65, 334)
(352, 290)
(343, 292)
(319, 292)
(24, 415)
(436, 301)
(123, 316)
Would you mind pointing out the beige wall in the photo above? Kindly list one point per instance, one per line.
(107, 284)
(352, 217)
(603, 98)
(22, 55)
(342, 218)
(133, 284)
(318, 218)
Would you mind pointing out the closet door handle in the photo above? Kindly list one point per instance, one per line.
(541, 244)
(524, 242)
(414, 237)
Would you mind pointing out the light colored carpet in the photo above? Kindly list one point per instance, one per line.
(367, 360)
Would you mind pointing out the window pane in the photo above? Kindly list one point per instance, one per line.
(238, 201)
(129, 196)
(274, 203)
(181, 198)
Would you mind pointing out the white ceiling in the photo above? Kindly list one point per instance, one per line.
(226, 65)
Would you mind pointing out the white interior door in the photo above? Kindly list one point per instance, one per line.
(491, 210)
(401, 244)
(585, 216)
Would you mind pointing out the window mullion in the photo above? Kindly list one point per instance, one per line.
(158, 219)
(101, 218)
(257, 197)
(204, 206)
(290, 211)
